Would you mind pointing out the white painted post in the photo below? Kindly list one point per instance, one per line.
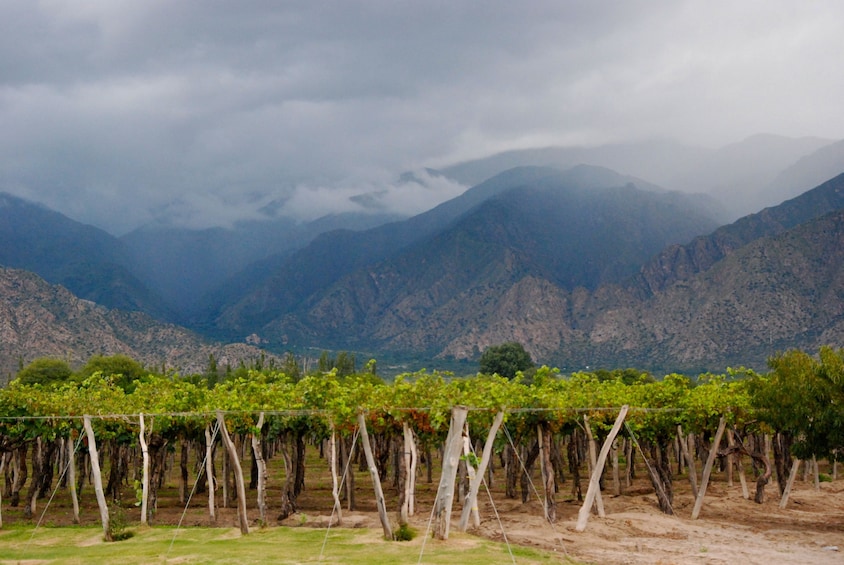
(594, 480)
(209, 474)
(97, 476)
(451, 459)
(376, 480)
(145, 471)
(791, 477)
(243, 519)
(474, 486)
(707, 470)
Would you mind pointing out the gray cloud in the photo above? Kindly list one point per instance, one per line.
(113, 111)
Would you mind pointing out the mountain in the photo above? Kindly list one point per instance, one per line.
(186, 267)
(583, 227)
(656, 160)
(744, 177)
(38, 319)
(678, 262)
(585, 267)
(766, 283)
(807, 172)
(736, 174)
(277, 285)
(86, 260)
(776, 293)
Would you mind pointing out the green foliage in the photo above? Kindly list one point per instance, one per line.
(45, 371)
(404, 533)
(344, 363)
(802, 396)
(117, 524)
(506, 360)
(123, 368)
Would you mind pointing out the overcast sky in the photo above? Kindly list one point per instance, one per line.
(117, 112)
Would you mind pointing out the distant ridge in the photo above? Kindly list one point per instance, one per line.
(38, 319)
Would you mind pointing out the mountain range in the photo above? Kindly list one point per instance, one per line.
(583, 265)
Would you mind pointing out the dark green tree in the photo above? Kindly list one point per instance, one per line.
(45, 371)
(122, 368)
(505, 360)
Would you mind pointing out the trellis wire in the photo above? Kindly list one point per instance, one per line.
(55, 490)
(342, 482)
(318, 412)
(193, 490)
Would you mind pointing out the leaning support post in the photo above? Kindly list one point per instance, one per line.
(97, 476)
(376, 480)
(472, 498)
(597, 469)
(790, 484)
(707, 470)
(242, 518)
(451, 459)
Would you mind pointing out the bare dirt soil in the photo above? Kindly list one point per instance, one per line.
(730, 530)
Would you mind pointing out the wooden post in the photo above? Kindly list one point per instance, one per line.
(145, 471)
(335, 482)
(376, 480)
(745, 493)
(474, 486)
(707, 470)
(243, 519)
(411, 458)
(224, 473)
(258, 454)
(616, 483)
(2, 468)
(791, 476)
(97, 476)
(594, 480)
(451, 459)
(209, 474)
(470, 475)
(599, 501)
(546, 468)
(688, 453)
(71, 478)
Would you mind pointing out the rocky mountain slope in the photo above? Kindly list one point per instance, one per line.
(585, 267)
(38, 319)
(576, 229)
(86, 260)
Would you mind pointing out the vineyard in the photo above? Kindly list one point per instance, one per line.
(263, 448)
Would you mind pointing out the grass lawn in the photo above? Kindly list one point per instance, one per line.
(161, 544)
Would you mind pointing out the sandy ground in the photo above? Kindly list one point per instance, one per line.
(730, 530)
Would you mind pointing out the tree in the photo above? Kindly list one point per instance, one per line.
(505, 360)
(45, 371)
(122, 368)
